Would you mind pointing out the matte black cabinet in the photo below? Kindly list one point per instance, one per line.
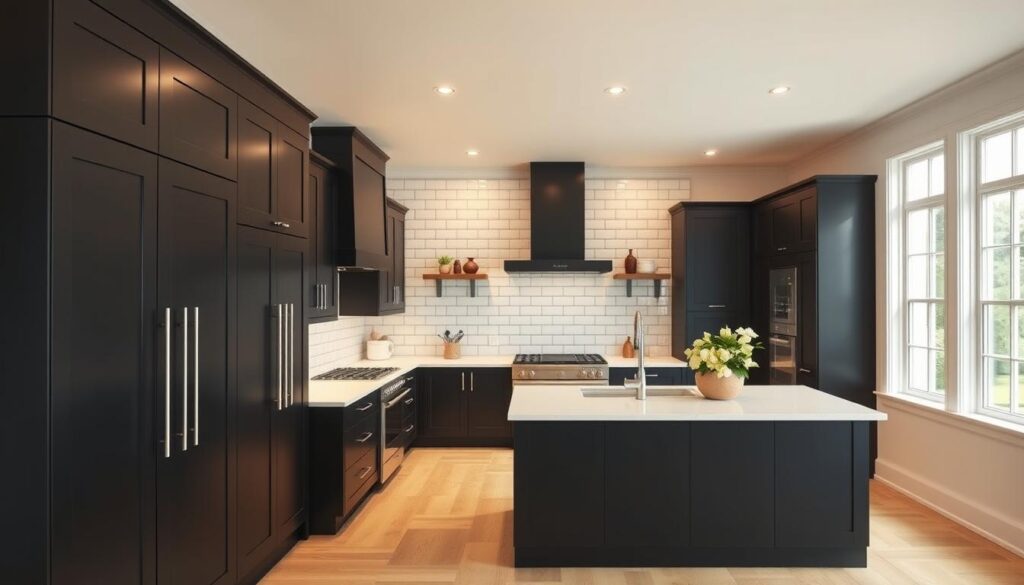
(103, 352)
(793, 221)
(464, 406)
(710, 271)
(273, 169)
(271, 393)
(655, 376)
(322, 303)
(196, 285)
(197, 117)
(344, 451)
(393, 278)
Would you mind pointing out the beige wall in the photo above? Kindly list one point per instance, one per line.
(973, 476)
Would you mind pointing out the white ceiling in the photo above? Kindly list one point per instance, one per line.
(530, 74)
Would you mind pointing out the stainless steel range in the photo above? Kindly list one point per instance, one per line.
(559, 368)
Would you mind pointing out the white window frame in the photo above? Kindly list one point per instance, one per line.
(972, 193)
(899, 213)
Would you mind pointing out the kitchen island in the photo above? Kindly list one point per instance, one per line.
(776, 477)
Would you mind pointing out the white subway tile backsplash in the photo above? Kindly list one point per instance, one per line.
(513, 313)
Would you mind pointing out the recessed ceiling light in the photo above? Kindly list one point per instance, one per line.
(779, 90)
(710, 152)
(615, 90)
(444, 90)
(472, 152)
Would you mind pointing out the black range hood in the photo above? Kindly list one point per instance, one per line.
(556, 221)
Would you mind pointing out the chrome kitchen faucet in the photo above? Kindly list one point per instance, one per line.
(640, 381)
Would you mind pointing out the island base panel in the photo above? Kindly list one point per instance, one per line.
(647, 556)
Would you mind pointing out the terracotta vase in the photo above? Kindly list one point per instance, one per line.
(458, 267)
(630, 262)
(715, 388)
(444, 268)
(452, 351)
(471, 266)
(627, 349)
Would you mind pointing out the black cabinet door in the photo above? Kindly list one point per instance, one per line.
(196, 276)
(292, 196)
(103, 309)
(655, 376)
(759, 315)
(487, 400)
(762, 229)
(105, 74)
(257, 173)
(807, 317)
(291, 256)
(821, 467)
(731, 475)
(794, 222)
(197, 118)
(398, 254)
(442, 405)
(717, 274)
(321, 304)
(256, 395)
(559, 484)
(639, 510)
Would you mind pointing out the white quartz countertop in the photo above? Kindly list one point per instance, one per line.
(755, 403)
(340, 393)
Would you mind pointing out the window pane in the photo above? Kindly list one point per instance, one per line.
(939, 229)
(997, 383)
(937, 367)
(937, 283)
(1018, 212)
(938, 328)
(917, 180)
(996, 330)
(936, 184)
(1020, 390)
(995, 157)
(995, 274)
(917, 231)
(1020, 151)
(917, 277)
(997, 219)
(917, 369)
(918, 321)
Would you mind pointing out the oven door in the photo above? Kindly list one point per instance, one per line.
(782, 359)
(393, 438)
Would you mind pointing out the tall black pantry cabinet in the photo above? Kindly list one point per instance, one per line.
(120, 353)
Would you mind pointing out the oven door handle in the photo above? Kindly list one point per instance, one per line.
(397, 399)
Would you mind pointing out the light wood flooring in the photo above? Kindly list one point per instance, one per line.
(447, 518)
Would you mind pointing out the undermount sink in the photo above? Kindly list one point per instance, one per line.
(623, 392)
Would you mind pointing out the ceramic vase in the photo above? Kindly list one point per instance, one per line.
(444, 268)
(458, 267)
(471, 266)
(630, 262)
(715, 388)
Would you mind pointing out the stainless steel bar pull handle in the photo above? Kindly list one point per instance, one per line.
(366, 437)
(291, 354)
(281, 224)
(716, 306)
(472, 385)
(280, 364)
(184, 379)
(167, 382)
(804, 371)
(463, 381)
(195, 377)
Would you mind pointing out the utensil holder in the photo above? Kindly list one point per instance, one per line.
(452, 351)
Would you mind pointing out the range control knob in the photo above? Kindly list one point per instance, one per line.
(533, 374)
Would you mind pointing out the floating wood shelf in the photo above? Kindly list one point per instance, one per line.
(657, 277)
(440, 278)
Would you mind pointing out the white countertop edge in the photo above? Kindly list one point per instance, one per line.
(669, 417)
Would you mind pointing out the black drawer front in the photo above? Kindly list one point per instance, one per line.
(360, 473)
(655, 376)
(365, 408)
(359, 439)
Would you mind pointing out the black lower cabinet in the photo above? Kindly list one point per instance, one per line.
(195, 530)
(691, 494)
(464, 407)
(655, 376)
(270, 397)
(344, 451)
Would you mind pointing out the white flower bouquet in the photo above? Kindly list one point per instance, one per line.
(726, 354)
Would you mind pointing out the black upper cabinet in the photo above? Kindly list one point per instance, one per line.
(793, 222)
(196, 276)
(322, 302)
(393, 278)
(272, 174)
(464, 406)
(197, 118)
(104, 228)
(362, 235)
(105, 74)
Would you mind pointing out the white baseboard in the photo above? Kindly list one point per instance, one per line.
(969, 513)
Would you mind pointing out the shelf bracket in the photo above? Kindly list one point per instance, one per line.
(657, 289)
(438, 286)
(472, 288)
(629, 288)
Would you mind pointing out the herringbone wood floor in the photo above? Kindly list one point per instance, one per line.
(447, 518)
